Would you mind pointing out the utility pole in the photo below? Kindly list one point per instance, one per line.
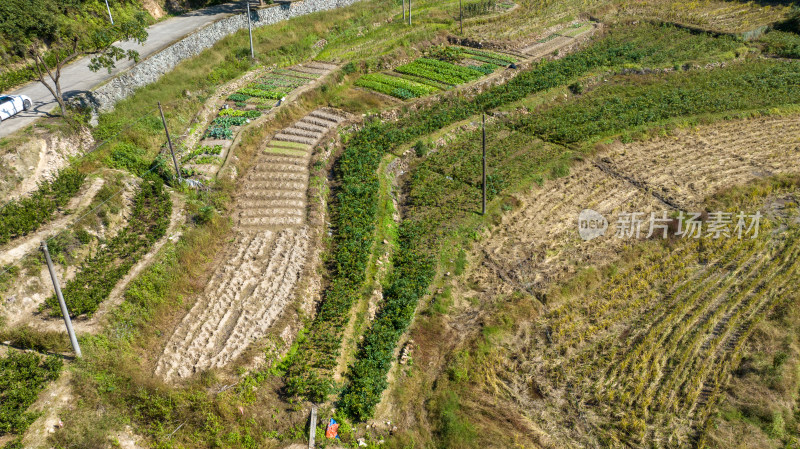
(483, 127)
(109, 13)
(461, 17)
(169, 141)
(250, 30)
(61, 302)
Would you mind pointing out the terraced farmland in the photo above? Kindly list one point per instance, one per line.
(256, 276)
(245, 105)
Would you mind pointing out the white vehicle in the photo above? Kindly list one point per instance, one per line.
(13, 104)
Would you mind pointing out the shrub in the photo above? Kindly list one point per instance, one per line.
(349, 68)
(22, 376)
(782, 44)
(129, 157)
(420, 149)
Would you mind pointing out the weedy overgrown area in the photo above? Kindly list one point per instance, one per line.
(417, 320)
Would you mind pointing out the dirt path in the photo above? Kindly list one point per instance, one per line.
(262, 267)
(21, 246)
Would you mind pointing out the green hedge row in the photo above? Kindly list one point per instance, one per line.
(20, 217)
(149, 220)
(413, 272)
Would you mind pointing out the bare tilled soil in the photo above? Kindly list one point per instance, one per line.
(263, 266)
(538, 50)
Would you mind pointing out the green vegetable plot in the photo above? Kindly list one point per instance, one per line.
(428, 75)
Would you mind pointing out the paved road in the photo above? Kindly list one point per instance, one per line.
(77, 77)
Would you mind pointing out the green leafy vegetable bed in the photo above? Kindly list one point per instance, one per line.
(394, 86)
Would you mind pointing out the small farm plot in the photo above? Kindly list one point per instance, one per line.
(247, 104)
(443, 68)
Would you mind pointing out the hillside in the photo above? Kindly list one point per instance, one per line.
(320, 238)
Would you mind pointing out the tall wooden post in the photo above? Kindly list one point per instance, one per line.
(483, 127)
(409, 12)
(250, 30)
(404, 11)
(169, 141)
(61, 302)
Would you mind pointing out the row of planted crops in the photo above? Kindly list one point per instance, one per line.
(441, 69)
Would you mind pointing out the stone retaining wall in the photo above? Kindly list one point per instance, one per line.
(152, 68)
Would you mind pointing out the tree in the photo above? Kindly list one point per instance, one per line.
(100, 44)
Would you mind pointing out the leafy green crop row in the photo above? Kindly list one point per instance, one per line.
(23, 375)
(238, 113)
(441, 71)
(392, 85)
(20, 217)
(261, 93)
(220, 132)
(230, 121)
(488, 55)
(99, 274)
(216, 150)
(414, 270)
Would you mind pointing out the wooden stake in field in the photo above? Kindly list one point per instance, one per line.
(483, 183)
(409, 12)
(61, 302)
(404, 11)
(169, 141)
